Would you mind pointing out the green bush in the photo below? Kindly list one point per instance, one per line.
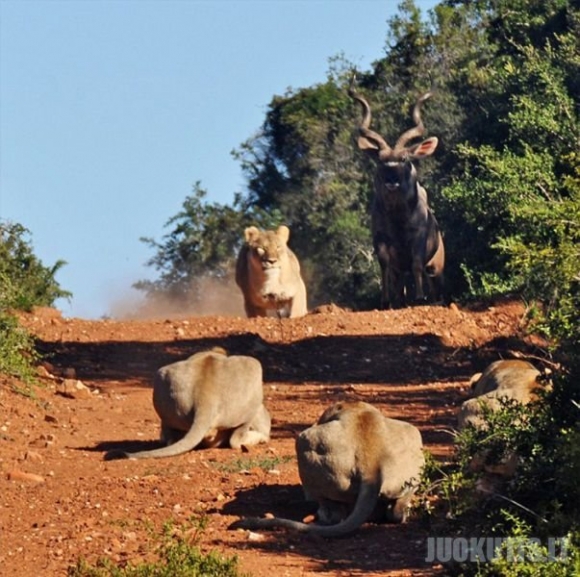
(17, 352)
(521, 556)
(540, 502)
(24, 282)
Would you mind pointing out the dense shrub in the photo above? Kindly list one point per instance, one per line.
(24, 282)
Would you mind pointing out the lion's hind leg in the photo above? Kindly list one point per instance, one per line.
(256, 431)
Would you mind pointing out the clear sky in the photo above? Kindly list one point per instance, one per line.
(110, 111)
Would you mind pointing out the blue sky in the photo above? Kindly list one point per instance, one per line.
(110, 111)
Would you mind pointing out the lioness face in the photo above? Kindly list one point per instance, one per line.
(267, 249)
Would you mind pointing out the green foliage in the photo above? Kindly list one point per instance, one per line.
(443, 491)
(510, 186)
(304, 166)
(522, 556)
(24, 282)
(17, 353)
(178, 557)
(541, 501)
(543, 260)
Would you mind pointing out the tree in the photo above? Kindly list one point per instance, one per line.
(516, 189)
(514, 201)
(304, 166)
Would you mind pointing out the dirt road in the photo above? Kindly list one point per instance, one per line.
(60, 500)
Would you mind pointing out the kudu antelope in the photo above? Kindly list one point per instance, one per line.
(406, 235)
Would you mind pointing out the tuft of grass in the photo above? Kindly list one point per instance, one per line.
(178, 553)
(248, 463)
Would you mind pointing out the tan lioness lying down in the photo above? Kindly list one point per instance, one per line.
(513, 379)
(504, 380)
(358, 465)
(207, 400)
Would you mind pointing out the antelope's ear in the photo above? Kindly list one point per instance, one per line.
(425, 148)
(251, 233)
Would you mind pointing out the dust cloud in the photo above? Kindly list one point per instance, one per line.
(217, 298)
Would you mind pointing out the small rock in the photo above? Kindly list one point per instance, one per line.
(33, 457)
(73, 389)
(255, 536)
(17, 475)
(48, 367)
(43, 373)
(446, 335)
(43, 441)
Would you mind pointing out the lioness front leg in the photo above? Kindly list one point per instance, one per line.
(253, 311)
(398, 509)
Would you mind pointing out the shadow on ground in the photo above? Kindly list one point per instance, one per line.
(391, 359)
(380, 543)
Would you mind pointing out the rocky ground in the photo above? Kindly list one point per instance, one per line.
(61, 501)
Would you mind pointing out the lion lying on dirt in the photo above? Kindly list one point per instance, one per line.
(358, 465)
(207, 400)
(508, 379)
(268, 274)
(504, 380)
